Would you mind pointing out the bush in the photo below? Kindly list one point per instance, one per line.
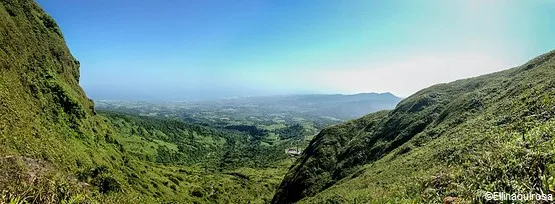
(107, 184)
(197, 192)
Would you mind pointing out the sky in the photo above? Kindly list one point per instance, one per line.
(201, 49)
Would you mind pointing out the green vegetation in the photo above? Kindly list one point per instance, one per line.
(172, 141)
(57, 149)
(489, 133)
(492, 133)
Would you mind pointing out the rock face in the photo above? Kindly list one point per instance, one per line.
(518, 99)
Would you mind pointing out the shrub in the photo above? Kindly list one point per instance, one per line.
(107, 184)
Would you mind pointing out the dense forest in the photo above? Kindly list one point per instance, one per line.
(179, 143)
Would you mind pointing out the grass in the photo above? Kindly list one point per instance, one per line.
(483, 160)
(55, 148)
(489, 133)
(458, 139)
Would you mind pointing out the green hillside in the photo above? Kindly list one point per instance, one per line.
(460, 139)
(489, 133)
(55, 148)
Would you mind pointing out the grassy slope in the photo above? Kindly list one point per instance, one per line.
(54, 147)
(456, 139)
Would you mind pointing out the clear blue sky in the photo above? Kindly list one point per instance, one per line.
(175, 49)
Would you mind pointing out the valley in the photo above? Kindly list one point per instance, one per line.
(451, 142)
(249, 143)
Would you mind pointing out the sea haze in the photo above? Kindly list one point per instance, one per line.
(333, 107)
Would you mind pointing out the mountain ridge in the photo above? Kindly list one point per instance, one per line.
(339, 151)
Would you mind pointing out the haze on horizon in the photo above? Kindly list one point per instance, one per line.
(178, 50)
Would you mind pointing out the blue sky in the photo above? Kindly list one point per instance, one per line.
(178, 50)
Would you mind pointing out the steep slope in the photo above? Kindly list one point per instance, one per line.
(418, 150)
(55, 148)
(38, 79)
(42, 107)
(45, 117)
